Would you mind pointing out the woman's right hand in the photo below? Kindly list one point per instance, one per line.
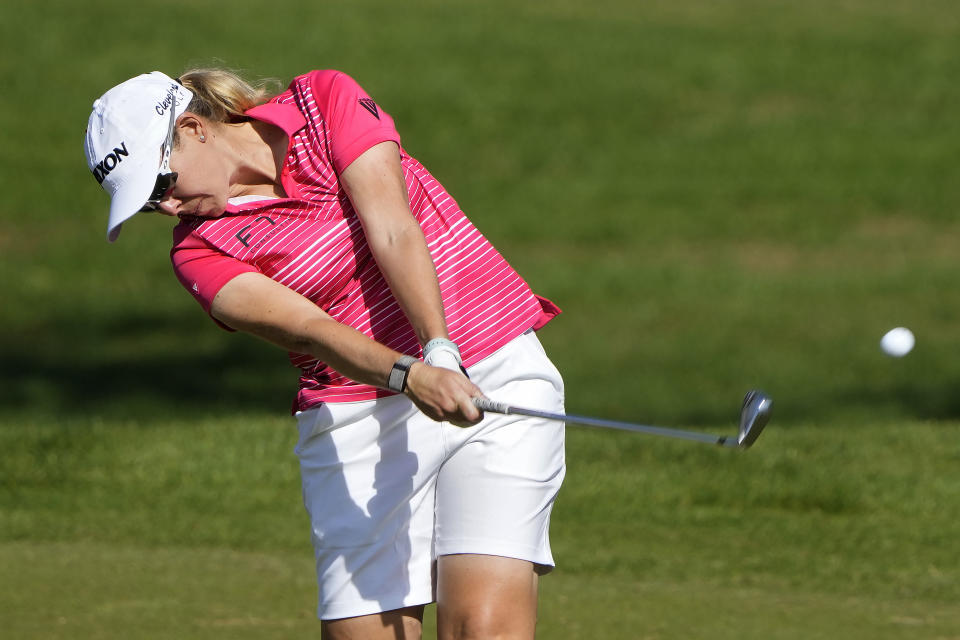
(444, 395)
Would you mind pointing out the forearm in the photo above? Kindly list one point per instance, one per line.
(342, 347)
(255, 304)
(376, 187)
(406, 265)
(439, 393)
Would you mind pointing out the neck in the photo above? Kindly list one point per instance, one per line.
(259, 150)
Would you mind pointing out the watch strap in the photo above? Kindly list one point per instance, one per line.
(398, 374)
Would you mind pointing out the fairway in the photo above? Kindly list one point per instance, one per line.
(658, 539)
(236, 594)
(720, 196)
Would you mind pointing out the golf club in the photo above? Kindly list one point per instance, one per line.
(753, 418)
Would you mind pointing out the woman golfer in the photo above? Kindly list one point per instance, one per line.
(304, 222)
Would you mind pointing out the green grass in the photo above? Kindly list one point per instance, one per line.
(194, 529)
(720, 195)
(122, 592)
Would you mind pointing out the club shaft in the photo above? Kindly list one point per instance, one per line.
(485, 404)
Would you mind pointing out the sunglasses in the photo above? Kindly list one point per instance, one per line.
(166, 179)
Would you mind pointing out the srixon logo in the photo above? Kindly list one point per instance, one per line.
(107, 165)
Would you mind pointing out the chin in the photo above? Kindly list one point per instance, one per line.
(216, 212)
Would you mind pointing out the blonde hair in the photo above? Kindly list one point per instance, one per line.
(221, 95)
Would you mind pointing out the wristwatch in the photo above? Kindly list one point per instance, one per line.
(398, 375)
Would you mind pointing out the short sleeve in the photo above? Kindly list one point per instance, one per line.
(202, 269)
(355, 121)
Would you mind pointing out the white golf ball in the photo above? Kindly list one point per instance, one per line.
(897, 342)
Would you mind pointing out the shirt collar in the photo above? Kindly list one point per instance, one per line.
(286, 116)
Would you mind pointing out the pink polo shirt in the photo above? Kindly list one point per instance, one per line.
(313, 243)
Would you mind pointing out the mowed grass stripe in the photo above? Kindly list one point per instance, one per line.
(70, 590)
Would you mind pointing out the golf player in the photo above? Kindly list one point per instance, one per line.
(302, 220)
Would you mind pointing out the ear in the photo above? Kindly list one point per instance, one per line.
(191, 126)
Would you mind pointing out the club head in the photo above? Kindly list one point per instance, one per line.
(753, 417)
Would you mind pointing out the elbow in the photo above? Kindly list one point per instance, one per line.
(395, 237)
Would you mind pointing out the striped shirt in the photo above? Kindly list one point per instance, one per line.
(313, 243)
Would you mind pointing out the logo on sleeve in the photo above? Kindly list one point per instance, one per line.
(370, 106)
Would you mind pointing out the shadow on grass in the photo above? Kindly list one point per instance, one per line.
(180, 365)
(864, 404)
(137, 365)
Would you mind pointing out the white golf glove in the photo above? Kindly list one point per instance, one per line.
(444, 353)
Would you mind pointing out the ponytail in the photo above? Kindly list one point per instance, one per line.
(223, 96)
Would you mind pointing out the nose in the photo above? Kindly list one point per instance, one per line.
(170, 206)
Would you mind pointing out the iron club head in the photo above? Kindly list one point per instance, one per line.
(753, 417)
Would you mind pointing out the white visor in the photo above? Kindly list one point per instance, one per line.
(125, 136)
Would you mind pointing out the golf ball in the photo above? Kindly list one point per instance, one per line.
(897, 342)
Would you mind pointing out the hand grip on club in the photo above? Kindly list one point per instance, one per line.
(486, 404)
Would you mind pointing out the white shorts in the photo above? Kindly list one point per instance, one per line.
(388, 490)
